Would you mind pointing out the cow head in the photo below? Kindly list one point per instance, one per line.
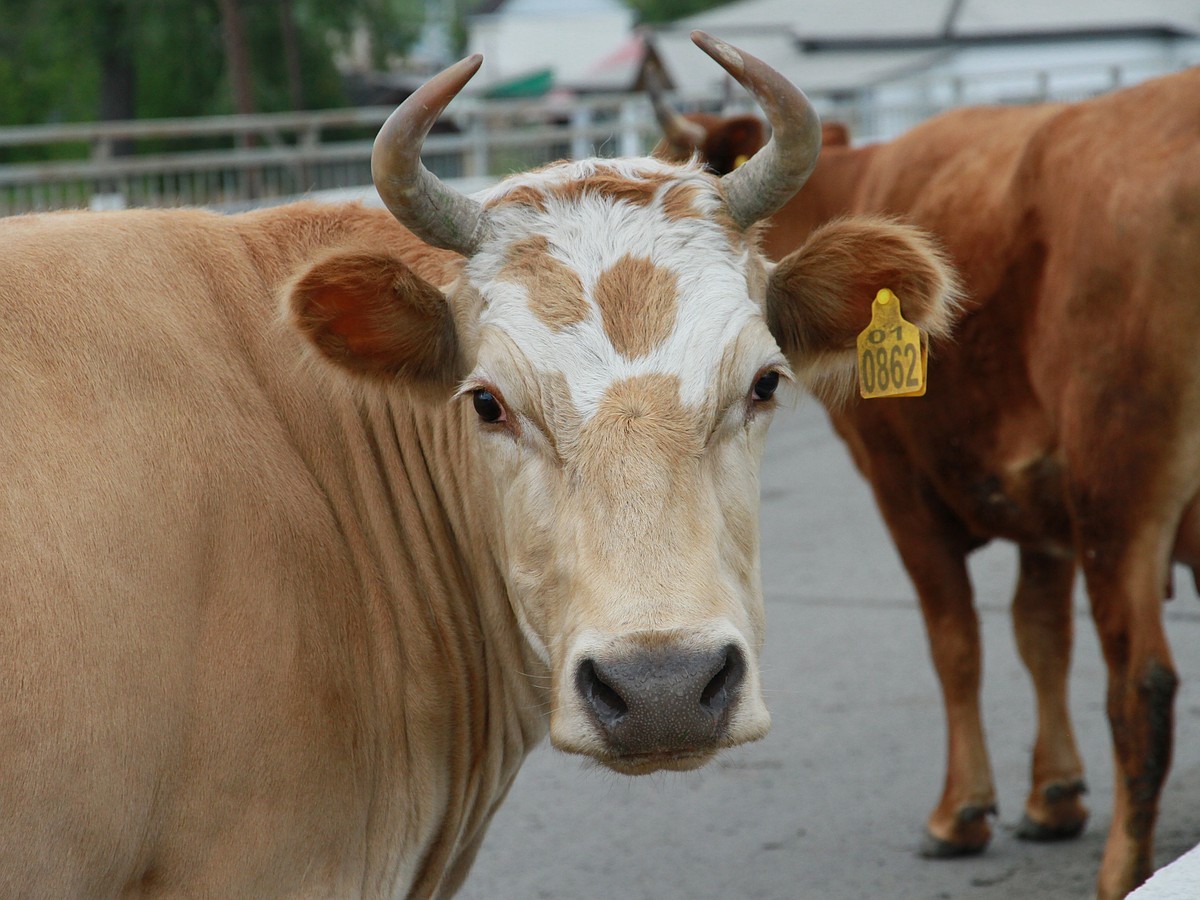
(721, 143)
(610, 336)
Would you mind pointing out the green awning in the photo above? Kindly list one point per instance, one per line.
(531, 84)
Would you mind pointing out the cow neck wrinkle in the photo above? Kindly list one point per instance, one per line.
(432, 624)
(395, 469)
(434, 525)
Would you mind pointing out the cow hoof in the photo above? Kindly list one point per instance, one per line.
(972, 833)
(1029, 830)
(1057, 815)
(933, 847)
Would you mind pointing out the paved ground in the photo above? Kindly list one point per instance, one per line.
(830, 805)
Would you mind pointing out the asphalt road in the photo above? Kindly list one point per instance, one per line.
(830, 805)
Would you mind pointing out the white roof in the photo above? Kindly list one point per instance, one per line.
(824, 18)
(983, 17)
(815, 43)
(874, 19)
(695, 76)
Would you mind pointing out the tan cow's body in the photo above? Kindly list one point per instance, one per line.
(310, 530)
(1065, 416)
(226, 578)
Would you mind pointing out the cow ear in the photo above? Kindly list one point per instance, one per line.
(372, 315)
(819, 297)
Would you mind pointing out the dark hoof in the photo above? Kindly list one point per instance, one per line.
(1030, 830)
(1056, 793)
(935, 848)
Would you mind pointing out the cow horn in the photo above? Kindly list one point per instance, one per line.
(679, 132)
(767, 180)
(429, 208)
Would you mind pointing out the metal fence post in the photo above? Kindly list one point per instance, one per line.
(581, 144)
(631, 117)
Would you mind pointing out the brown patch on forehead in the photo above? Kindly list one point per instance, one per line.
(638, 302)
(613, 186)
(524, 195)
(554, 289)
(641, 417)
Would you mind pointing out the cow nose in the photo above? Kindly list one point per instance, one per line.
(663, 700)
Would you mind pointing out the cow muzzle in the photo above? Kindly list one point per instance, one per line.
(647, 707)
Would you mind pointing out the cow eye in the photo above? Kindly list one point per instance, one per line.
(764, 388)
(488, 406)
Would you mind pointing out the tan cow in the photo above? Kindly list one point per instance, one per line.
(1065, 417)
(310, 530)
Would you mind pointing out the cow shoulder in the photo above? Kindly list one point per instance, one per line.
(819, 297)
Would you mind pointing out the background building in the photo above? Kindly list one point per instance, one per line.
(882, 67)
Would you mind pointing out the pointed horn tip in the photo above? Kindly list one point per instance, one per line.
(729, 57)
(460, 72)
(457, 74)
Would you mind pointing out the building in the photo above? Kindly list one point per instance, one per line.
(532, 46)
(882, 67)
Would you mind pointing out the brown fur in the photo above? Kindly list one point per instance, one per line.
(216, 649)
(523, 195)
(679, 202)
(1062, 417)
(611, 185)
(638, 303)
(555, 291)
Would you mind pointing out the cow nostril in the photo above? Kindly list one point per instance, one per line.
(608, 705)
(723, 687)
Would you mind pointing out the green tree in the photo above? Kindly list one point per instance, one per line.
(669, 10)
(79, 60)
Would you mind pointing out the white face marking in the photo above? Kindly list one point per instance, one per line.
(591, 234)
(625, 329)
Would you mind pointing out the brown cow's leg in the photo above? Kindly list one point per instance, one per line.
(933, 544)
(959, 823)
(934, 547)
(1043, 625)
(1125, 581)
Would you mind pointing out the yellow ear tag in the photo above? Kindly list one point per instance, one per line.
(742, 157)
(892, 353)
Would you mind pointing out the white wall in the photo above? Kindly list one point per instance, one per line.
(1014, 73)
(517, 42)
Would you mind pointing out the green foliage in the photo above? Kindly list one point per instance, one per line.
(668, 10)
(45, 73)
(53, 52)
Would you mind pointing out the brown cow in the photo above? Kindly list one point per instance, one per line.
(278, 616)
(1065, 418)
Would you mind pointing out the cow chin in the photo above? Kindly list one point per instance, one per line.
(649, 763)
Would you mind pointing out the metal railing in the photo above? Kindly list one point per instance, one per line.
(233, 162)
(887, 110)
(257, 159)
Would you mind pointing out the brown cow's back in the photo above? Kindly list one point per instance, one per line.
(1065, 416)
(1078, 245)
